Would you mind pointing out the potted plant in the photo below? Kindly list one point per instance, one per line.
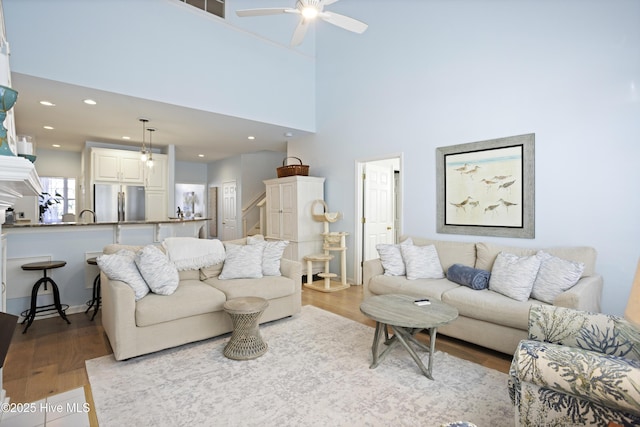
(46, 200)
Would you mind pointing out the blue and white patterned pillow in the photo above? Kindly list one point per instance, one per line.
(513, 276)
(157, 270)
(422, 262)
(555, 276)
(121, 266)
(242, 262)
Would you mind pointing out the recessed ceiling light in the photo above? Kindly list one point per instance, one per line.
(48, 127)
(126, 137)
(200, 155)
(89, 102)
(251, 137)
(47, 103)
(55, 145)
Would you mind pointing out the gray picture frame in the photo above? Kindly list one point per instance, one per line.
(501, 205)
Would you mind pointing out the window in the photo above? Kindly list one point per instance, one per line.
(58, 197)
(212, 6)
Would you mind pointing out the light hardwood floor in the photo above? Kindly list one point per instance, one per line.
(49, 358)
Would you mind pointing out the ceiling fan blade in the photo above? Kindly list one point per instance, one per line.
(328, 2)
(301, 30)
(345, 22)
(264, 12)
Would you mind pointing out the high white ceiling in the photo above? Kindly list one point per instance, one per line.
(193, 132)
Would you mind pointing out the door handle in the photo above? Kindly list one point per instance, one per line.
(388, 228)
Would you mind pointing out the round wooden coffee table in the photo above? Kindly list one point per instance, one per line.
(245, 342)
(406, 319)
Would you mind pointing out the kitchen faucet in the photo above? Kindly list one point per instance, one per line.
(88, 210)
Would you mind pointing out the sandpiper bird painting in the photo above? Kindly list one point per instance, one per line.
(506, 204)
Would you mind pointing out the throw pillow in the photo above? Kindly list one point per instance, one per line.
(121, 266)
(513, 276)
(160, 274)
(555, 276)
(271, 257)
(242, 262)
(257, 238)
(422, 262)
(391, 258)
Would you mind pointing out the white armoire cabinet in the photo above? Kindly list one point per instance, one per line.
(289, 214)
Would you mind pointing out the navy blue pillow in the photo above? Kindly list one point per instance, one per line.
(468, 276)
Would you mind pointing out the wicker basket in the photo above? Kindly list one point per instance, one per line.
(291, 170)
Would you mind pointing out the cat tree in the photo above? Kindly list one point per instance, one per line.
(334, 241)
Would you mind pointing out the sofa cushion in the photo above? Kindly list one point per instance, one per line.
(487, 253)
(391, 258)
(513, 276)
(212, 271)
(268, 287)
(450, 252)
(555, 276)
(242, 262)
(271, 254)
(121, 265)
(156, 269)
(191, 298)
(421, 262)
(432, 288)
(489, 306)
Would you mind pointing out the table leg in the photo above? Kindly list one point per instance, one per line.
(375, 348)
(404, 336)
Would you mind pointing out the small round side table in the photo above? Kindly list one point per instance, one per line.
(95, 299)
(31, 313)
(245, 342)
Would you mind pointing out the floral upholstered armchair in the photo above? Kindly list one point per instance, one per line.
(576, 368)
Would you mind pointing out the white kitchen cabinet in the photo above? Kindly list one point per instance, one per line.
(155, 178)
(156, 205)
(122, 166)
(289, 214)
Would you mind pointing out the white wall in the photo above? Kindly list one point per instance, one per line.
(164, 51)
(436, 73)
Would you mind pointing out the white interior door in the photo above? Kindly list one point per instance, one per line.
(378, 203)
(229, 210)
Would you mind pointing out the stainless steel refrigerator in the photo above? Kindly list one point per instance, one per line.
(116, 202)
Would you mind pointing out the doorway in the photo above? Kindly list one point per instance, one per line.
(229, 209)
(379, 207)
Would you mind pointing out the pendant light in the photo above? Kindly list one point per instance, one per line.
(150, 157)
(143, 149)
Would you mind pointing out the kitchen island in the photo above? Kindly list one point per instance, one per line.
(75, 243)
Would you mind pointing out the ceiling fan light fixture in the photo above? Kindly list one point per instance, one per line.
(310, 12)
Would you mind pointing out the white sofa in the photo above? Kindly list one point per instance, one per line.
(486, 318)
(193, 312)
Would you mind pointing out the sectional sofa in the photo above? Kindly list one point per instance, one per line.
(194, 311)
(486, 317)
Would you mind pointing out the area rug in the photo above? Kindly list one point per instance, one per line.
(315, 373)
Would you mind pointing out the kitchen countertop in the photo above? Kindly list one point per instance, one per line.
(62, 224)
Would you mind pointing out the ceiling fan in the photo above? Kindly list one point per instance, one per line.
(309, 10)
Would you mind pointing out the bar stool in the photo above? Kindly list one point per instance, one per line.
(95, 299)
(30, 314)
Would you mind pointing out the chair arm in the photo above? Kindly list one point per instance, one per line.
(609, 381)
(291, 269)
(584, 295)
(598, 332)
(118, 315)
(370, 268)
